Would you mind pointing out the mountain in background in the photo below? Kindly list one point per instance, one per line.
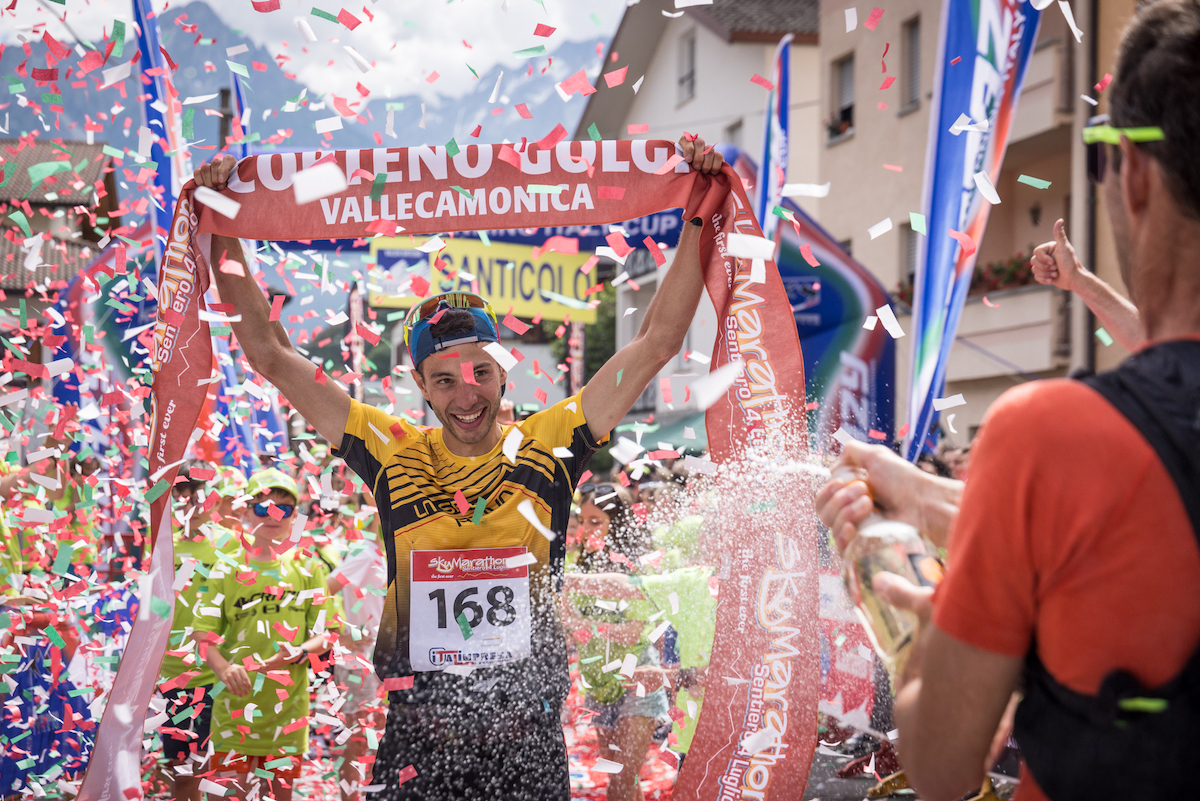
(271, 88)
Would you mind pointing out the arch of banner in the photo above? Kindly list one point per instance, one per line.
(764, 672)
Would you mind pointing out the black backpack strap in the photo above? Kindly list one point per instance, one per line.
(1158, 390)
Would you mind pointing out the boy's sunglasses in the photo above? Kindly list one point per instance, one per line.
(260, 509)
(1099, 133)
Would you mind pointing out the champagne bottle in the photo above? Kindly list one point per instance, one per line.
(883, 545)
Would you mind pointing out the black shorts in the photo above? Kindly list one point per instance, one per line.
(514, 754)
(178, 744)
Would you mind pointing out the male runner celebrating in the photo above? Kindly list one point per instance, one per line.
(473, 514)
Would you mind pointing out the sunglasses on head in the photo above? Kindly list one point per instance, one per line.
(454, 300)
(1099, 133)
(599, 489)
(261, 509)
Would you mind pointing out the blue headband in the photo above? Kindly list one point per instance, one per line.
(423, 344)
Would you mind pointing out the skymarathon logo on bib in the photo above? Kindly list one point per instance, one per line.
(460, 564)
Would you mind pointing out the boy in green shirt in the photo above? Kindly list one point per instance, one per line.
(186, 682)
(269, 614)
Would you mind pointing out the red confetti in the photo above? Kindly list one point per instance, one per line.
(616, 77)
(611, 192)
(367, 334)
(460, 500)
(968, 244)
(507, 154)
(810, 407)
(540, 394)
(578, 83)
(1104, 82)
(639, 129)
(407, 773)
(350, 21)
(873, 434)
(263, 6)
(903, 432)
(277, 306)
(398, 683)
(60, 52)
(39, 74)
(617, 242)
(514, 325)
(398, 432)
(887, 82)
(955, 60)
(763, 82)
(893, 168)
(873, 19)
(553, 138)
(433, 76)
(806, 252)
(523, 111)
(468, 373)
(420, 286)
(478, 129)
(655, 251)
(543, 30)
(989, 304)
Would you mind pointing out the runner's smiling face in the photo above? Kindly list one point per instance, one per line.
(467, 411)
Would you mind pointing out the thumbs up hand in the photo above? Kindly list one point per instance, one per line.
(1055, 263)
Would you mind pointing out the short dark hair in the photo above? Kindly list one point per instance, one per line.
(1157, 84)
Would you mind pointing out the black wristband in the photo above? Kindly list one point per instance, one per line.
(697, 221)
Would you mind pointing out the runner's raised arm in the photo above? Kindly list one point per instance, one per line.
(613, 390)
(266, 343)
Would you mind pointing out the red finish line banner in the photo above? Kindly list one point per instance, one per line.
(757, 729)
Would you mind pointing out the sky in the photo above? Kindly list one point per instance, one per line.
(408, 41)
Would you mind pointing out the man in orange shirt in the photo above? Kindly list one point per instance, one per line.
(1072, 552)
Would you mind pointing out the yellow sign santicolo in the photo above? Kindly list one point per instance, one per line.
(508, 275)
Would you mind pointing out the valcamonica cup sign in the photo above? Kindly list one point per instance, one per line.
(757, 727)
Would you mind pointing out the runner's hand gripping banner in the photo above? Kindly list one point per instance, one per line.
(757, 727)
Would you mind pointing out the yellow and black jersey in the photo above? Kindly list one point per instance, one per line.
(416, 481)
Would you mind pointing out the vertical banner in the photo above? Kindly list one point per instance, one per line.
(974, 102)
(757, 729)
(774, 164)
(354, 338)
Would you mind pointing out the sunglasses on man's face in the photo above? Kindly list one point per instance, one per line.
(1099, 133)
(261, 509)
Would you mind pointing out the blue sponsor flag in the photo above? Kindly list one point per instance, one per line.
(772, 171)
(993, 40)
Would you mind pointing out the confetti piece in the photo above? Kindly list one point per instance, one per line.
(329, 124)
(460, 501)
(710, 388)
(887, 82)
(320, 180)
(984, 183)
(206, 785)
(941, 404)
(870, 322)
(806, 252)
(763, 82)
(873, 19)
(530, 52)
(1065, 7)
(669, 164)
(893, 167)
(263, 6)
(543, 30)
(611, 192)
(512, 444)
(578, 83)
(989, 304)
(890, 323)
(398, 683)
(640, 128)
(955, 60)
(638, 84)
(1104, 82)
(523, 111)
(763, 739)
(225, 206)
(525, 507)
(348, 19)
(1104, 337)
(477, 515)
(520, 560)
(964, 123)
(501, 355)
(407, 773)
(968, 244)
(363, 65)
(306, 30)
(615, 78)
(806, 190)
(880, 228)
(745, 246)
(916, 222)
(276, 308)
(1036, 183)
(851, 19)
(553, 138)
(655, 251)
(607, 766)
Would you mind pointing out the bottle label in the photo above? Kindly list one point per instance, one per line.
(928, 569)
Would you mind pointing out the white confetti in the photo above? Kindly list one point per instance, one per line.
(501, 354)
(710, 388)
(890, 323)
(1066, 10)
(941, 404)
(525, 507)
(745, 246)
(329, 124)
(806, 190)
(225, 206)
(608, 766)
(305, 30)
(880, 228)
(851, 19)
(870, 322)
(318, 181)
(512, 444)
(520, 560)
(360, 62)
(984, 183)
(760, 740)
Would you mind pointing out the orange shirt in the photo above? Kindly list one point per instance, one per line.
(1070, 526)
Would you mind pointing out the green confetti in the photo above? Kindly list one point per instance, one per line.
(377, 186)
(238, 68)
(24, 313)
(483, 237)
(266, 774)
(118, 39)
(620, 373)
(8, 170)
(116, 153)
(594, 132)
(62, 561)
(463, 192)
(452, 148)
(50, 98)
(395, 107)
(543, 189)
(473, 72)
(316, 12)
(464, 626)
(22, 221)
(480, 504)
(157, 490)
(595, 18)
(1104, 337)
(1036, 183)
(530, 52)
(189, 131)
(220, 330)
(54, 636)
(564, 300)
(282, 762)
(917, 221)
